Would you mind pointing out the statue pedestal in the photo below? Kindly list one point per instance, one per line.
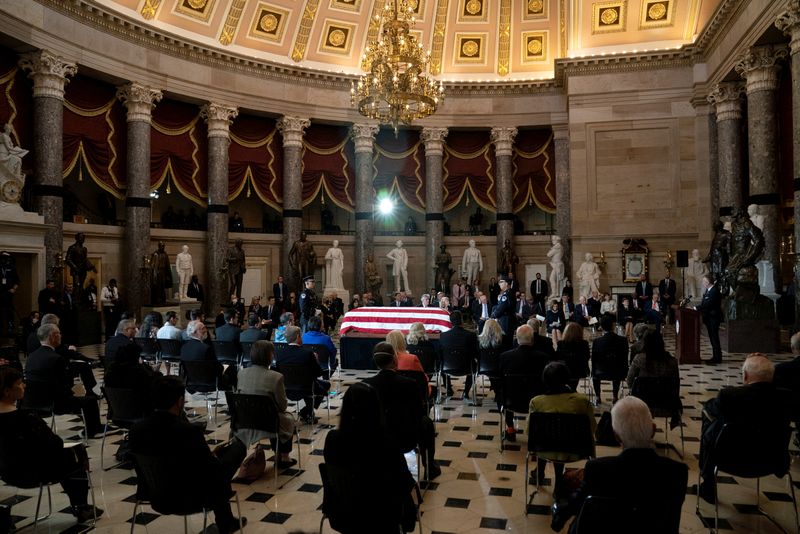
(341, 293)
(766, 280)
(751, 335)
(179, 307)
(89, 328)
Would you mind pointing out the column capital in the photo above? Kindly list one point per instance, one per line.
(789, 23)
(218, 117)
(364, 136)
(503, 139)
(759, 66)
(561, 132)
(139, 100)
(291, 129)
(726, 97)
(434, 140)
(48, 71)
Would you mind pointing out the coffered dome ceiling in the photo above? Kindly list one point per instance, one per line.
(468, 39)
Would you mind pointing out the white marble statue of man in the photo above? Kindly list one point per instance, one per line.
(185, 268)
(334, 261)
(695, 271)
(588, 276)
(755, 217)
(472, 263)
(556, 256)
(10, 155)
(399, 256)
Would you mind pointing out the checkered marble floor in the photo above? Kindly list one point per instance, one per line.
(481, 489)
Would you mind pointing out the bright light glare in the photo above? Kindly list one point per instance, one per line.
(386, 206)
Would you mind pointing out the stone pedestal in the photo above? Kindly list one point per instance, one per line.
(766, 279)
(89, 328)
(179, 307)
(751, 335)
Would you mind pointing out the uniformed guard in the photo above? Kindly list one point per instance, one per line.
(504, 311)
(308, 302)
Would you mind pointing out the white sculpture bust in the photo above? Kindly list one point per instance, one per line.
(472, 263)
(556, 255)
(588, 276)
(185, 268)
(755, 217)
(334, 261)
(399, 256)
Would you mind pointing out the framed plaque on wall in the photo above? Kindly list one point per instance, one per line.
(634, 259)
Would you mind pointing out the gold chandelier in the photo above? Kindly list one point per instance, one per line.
(395, 87)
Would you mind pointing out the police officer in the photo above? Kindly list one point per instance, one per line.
(504, 312)
(308, 302)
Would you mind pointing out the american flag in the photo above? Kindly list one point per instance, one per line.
(377, 320)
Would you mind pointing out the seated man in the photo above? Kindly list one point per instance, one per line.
(230, 330)
(45, 365)
(654, 311)
(253, 331)
(460, 339)
(583, 312)
(170, 329)
(196, 350)
(126, 330)
(609, 358)
(404, 407)
(78, 364)
(654, 485)
(315, 336)
(166, 434)
(295, 354)
(757, 401)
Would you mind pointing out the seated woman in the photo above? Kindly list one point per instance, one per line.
(573, 350)
(30, 453)
(559, 398)
(444, 303)
(405, 360)
(554, 319)
(417, 343)
(286, 319)
(490, 342)
(355, 303)
(360, 447)
(626, 316)
(655, 361)
(608, 305)
(259, 379)
(150, 325)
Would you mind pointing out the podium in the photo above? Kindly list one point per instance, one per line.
(687, 330)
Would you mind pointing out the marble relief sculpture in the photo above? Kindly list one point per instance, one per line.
(588, 276)
(556, 256)
(399, 256)
(185, 269)
(10, 155)
(334, 263)
(695, 271)
(472, 263)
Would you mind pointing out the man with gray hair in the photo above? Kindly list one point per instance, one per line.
(757, 401)
(196, 350)
(126, 330)
(295, 354)
(652, 485)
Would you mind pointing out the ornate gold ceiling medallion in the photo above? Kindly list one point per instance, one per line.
(197, 9)
(470, 48)
(269, 23)
(609, 17)
(346, 5)
(535, 9)
(473, 11)
(534, 46)
(337, 37)
(657, 14)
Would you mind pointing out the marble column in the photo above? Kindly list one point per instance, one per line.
(49, 73)
(218, 118)
(760, 66)
(364, 137)
(563, 206)
(789, 23)
(503, 140)
(139, 101)
(726, 97)
(434, 197)
(713, 166)
(291, 129)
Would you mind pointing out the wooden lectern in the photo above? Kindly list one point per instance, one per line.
(687, 342)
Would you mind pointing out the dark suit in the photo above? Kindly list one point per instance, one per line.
(583, 313)
(113, 346)
(609, 361)
(252, 334)
(540, 291)
(523, 311)
(228, 332)
(711, 308)
(654, 485)
(522, 360)
(69, 318)
(195, 350)
(666, 291)
(553, 317)
(403, 408)
(44, 299)
(465, 341)
(787, 376)
(643, 291)
(279, 289)
(195, 291)
(297, 355)
(505, 313)
(654, 312)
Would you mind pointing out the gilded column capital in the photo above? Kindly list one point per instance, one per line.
(726, 97)
(139, 100)
(363, 136)
(291, 129)
(218, 117)
(503, 140)
(759, 67)
(789, 23)
(434, 140)
(561, 132)
(48, 71)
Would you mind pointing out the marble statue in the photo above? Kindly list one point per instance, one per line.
(588, 276)
(556, 256)
(443, 270)
(10, 155)
(236, 261)
(302, 258)
(717, 258)
(161, 274)
(507, 260)
(77, 259)
(755, 217)
(472, 263)
(399, 256)
(371, 275)
(334, 261)
(695, 272)
(185, 269)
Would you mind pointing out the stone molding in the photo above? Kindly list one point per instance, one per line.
(139, 100)
(789, 23)
(291, 128)
(363, 136)
(49, 73)
(561, 132)
(218, 117)
(727, 99)
(434, 140)
(503, 140)
(760, 65)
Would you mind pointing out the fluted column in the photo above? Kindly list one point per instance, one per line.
(503, 140)
(218, 118)
(434, 217)
(49, 73)
(789, 23)
(291, 129)
(139, 101)
(363, 137)
(726, 97)
(563, 206)
(760, 66)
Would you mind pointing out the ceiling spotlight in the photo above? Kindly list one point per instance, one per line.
(385, 206)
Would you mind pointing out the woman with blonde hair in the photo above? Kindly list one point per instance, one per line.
(444, 303)
(416, 334)
(405, 361)
(490, 343)
(574, 351)
(491, 336)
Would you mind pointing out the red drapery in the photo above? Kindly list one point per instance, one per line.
(534, 170)
(16, 99)
(399, 165)
(178, 150)
(469, 164)
(256, 160)
(327, 163)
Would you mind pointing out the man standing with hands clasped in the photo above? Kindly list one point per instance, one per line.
(308, 302)
(711, 308)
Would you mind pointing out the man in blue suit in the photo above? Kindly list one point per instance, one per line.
(711, 308)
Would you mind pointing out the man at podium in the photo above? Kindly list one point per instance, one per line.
(711, 308)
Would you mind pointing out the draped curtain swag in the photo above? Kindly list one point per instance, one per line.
(469, 164)
(534, 170)
(328, 163)
(399, 166)
(256, 160)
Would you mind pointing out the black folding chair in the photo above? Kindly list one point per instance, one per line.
(126, 407)
(227, 352)
(599, 515)
(663, 396)
(202, 377)
(488, 365)
(515, 395)
(299, 383)
(324, 358)
(246, 348)
(459, 363)
(148, 349)
(39, 398)
(169, 352)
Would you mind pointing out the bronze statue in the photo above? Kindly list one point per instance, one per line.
(77, 259)
(236, 268)
(373, 279)
(507, 260)
(443, 270)
(717, 258)
(161, 274)
(302, 258)
(746, 247)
